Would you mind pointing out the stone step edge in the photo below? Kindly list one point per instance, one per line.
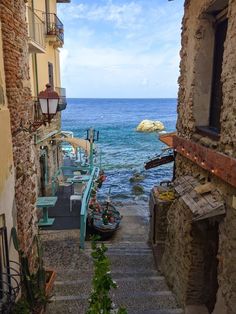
(128, 270)
(75, 282)
(134, 295)
(124, 249)
(129, 253)
(155, 311)
(123, 243)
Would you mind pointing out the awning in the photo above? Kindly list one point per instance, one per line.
(77, 142)
(167, 138)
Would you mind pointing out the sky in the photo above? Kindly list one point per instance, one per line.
(121, 48)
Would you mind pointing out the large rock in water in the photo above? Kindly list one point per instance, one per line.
(150, 126)
(138, 189)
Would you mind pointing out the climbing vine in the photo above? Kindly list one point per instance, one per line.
(100, 301)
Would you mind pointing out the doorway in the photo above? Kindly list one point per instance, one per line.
(203, 282)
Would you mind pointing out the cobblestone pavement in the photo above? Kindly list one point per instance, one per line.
(141, 288)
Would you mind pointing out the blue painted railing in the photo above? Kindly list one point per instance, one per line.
(85, 204)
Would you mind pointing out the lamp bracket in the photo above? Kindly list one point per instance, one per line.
(31, 127)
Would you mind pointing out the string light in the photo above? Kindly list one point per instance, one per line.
(202, 163)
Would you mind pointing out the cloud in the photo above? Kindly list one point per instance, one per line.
(122, 15)
(121, 48)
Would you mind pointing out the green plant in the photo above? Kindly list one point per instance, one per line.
(100, 301)
(21, 307)
(33, 282)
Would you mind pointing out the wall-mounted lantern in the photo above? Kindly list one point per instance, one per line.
(48, 102)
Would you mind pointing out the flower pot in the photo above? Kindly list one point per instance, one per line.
(50, 279)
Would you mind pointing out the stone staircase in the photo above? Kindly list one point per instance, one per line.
(141, 288)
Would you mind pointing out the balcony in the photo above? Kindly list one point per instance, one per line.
(36, 33)
(62, 101)
(54, 30)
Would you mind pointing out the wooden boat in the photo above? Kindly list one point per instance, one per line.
(105, 222)
(164, 158)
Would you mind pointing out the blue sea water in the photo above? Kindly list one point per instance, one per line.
(124, 151)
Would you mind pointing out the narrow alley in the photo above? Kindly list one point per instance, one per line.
(141, 288)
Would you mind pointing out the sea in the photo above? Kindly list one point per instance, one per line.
(122, 151)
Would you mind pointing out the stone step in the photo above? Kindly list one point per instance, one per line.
(80, 308)
(73, 287)
(65, 275)
(131, 248)
(127, 244)
(123, 251)
(131, 251)
(143, 301)
(154, 311)
(139, 262)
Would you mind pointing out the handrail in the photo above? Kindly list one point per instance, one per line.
(84, 206)
(54, 26)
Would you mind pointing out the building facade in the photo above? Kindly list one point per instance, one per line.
(200, 248)
(29, 59)
(46, 36)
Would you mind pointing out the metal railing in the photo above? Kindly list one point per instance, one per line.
(85, 204)
(54, 26)
(36, 28)
(62, 101)
(10, 277)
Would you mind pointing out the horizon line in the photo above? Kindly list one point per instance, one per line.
(122, 98)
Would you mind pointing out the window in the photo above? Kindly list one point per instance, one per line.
(209, 61)
(50, 74)
(216, 88)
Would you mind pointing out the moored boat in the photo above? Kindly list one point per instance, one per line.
(103, 220)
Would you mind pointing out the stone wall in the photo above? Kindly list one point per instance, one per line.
(193, 110)
(194, 81)
(15, 49)
(176, 261)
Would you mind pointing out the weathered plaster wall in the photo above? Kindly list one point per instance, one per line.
(193, 110)
(6, 160)
(7, 180)
(15, 51)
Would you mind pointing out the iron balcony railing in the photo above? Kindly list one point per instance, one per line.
(36, 28)
(54, 26)
(62, 101)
